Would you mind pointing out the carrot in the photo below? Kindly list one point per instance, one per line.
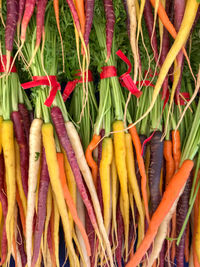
(21, 212)
(41, 6)
(53, 168)
(134, 185)
(76, 144)
(167, 153)
(138, 150)
(81, 14)
(188, 19)
(28, 12)
(89, 13)
(120, 158)
(90, 161)
(20, 243)
(105, 170)
(50, 246)
(148, 17)
(41, 210)
(11, 24)
(1, 120)
(26, 120)
(187, 243)
(9, 157)
(70, 202)
(176, 143)
(21, 10)
(154, 171)
(181, 212)
(56, 231)
(34, 164)
(170, 196)
(110, 22)
(120, 233)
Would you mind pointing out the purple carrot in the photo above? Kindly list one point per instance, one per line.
(181, 212)
(41, 6)
(179, 9)
(164, 51)
(41, 209)
(149, 20)
(91, 236)
(26, 120)
(59, 124)
(127, 17)
(110, 23)
(11, 23)
(20, 243)
(23, 148)
(120, 234)
(21, 9)
(89, 14)
(4, 204)
(154, 171)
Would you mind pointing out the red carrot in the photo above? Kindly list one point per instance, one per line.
(89, 13)
(149, 20)
(21, 9)
(127, 17)
(41, 210)
(23, 148)
(110, 23)
(41, 6)
(29, 8)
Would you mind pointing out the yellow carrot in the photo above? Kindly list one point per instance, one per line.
(9, 157)
(120, 158)
(134, 185)
(105, 168)
(53, 168)
(115, 192)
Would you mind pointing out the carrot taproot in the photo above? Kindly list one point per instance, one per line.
(53, 168)
(105, 170)
(41, 6)
(70, 202)
(89, 13)
(170, 166)
(21, 212)
(78, 150)
(19, 180)
(26, 120)
(9, 157)
(56, 223)
(11, 24)
(23, 148)
(138, 150)
(35, 139)
(41, 210)
(134, 185)
(50, 246)
(170, 196)
(90, 161)
(181, 37)
(20, 243)
(81, 14)
(120, 159)
(187, 243)
(120, 234)
(28, 12)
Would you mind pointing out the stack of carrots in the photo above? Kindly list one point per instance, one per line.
(99, 133)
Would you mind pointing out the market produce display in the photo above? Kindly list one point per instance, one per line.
(99, 133)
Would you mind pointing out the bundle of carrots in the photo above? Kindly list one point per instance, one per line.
(99, 163)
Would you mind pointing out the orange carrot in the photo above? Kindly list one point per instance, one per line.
(170, 198)
(90, 161)
(70, 203)
(167, 152)
(81, 14)
(138, 150)
(176, 144)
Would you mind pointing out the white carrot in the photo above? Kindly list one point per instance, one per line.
(34, 163)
